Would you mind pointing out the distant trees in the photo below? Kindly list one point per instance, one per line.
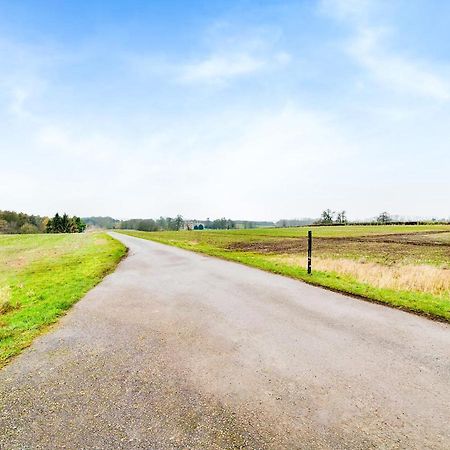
(65, 224)
(217, 224)
(28, 228)
(3, 226)
(138, 224)
(163, 223)
(147, 225)
(326, 218)
(101, 222)
(175, 224)
(384, 218)
(21, 223)
(178, 222)
(284, 223)
(341, 218)
(221, 224)
(230, 224)
(329, 217)
(12, 222)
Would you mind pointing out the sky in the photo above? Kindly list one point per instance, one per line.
(255, 110)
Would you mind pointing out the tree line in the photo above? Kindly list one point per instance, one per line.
(217, 224)
(12, 222)
(329, 217)
(162, 224)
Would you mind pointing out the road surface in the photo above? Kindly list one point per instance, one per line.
(179, 350)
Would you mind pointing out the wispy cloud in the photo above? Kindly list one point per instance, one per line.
(370, 45)
(397, 72)
(354, 10)
(227, 53)
(24, 75)
(19, 97)
(218, 68)
(215, 68)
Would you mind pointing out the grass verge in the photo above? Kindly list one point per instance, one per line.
(41, 276)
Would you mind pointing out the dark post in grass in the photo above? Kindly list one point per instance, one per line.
(309, 250)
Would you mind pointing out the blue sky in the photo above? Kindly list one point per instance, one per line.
(250, 109)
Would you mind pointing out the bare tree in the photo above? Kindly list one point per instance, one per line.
(342, 217)
(384, 218)
(327, 216)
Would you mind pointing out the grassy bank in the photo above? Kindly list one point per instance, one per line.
(404, 266)
(42, 275)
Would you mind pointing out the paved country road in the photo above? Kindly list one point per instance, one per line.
(179, 350)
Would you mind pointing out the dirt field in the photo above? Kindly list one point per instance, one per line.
(426, 247)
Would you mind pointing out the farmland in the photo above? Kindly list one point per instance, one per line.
(42, 275)
(405, 266)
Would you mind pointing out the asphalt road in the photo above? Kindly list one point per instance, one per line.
(179, 350)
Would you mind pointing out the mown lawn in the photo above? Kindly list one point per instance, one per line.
(404, 266)
(41, 276)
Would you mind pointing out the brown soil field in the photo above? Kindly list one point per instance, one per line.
(432, 248)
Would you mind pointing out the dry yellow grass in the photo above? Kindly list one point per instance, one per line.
(5, 299)
(416, 278)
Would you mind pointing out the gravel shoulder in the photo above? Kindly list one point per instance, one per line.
(180, 350)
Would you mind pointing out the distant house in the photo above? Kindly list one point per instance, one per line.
(193, 225)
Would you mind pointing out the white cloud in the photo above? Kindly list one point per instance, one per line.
(370, 47)
(58, 140)
(21, 79)
(348, 10)
(19, 97)
(394, 71)
(235, 53)
(221, 67)
(218, 68)
(254, 168)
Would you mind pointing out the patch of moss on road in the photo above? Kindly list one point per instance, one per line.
(41, 276)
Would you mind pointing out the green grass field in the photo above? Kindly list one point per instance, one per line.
(41, 276)
(405, 266)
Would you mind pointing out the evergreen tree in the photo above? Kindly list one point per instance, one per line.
(54, 225)
(80, 226)
(49, 226)
(65, 224)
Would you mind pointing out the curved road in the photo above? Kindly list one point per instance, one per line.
(180, 350)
